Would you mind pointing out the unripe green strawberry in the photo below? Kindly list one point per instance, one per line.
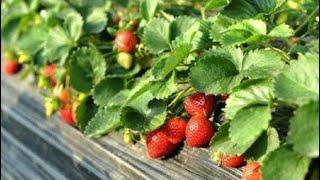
(128, 136)
(23, 58)
(125, 60)
(43, 81)
(51, 105)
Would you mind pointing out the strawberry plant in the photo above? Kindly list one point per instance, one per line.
(238, 76)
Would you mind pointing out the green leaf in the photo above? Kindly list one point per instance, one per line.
(58, 44)
(156, 36)
(253, 92)
(95, 20)
(222, 143)
(120, 98)
(219, 25)
(118, 71)
(304, 130)
(164, 88)
(249, 123)
(106, 89)
(105, 120)
(163, 67)
(148, 8)
(216, 4)
(299, 82)
(73, 23)
(285, 164)
(244, 9)
(262, 63)
(88, 68)
(84, 112)
(32, 41)
(215, 73)
(281, 31)
(144, 120)
(266, 143)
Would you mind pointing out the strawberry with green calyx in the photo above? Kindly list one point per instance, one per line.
(51, 105)
(126, 41)
(252, 171)
(175, 129)
(225, 97)
(116, 20)
(11, 67)
(231, 160)
(199, 103)
(125, 60)
(199, 131)
(65, 96)
(158, 144)
(50, 71)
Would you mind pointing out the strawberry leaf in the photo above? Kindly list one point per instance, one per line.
(164, 88)
(88, 68)
(148, 8)
(156, 36)
(118, 71)
(304, 130)
(262, 64)
(255, 119)
(265, 144)
(215, 73)
(297, 85)
(84, 112)
(106, 89)
(104, 121)
(73, 23)
(95, 20)
(222, 143)
(281, 31)
(216, 4)
(285, 164)
(32, 41)
(252, 92)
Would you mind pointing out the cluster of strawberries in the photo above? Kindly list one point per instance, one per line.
(198, 132)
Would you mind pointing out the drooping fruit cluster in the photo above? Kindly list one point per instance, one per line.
(165, 140)
(67, 110)
(49, 71)
(199, 129)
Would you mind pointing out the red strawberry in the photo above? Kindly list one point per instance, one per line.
(252, 171)
(66, 114)
(11, 67)
(175, 129)
(64, 96)
(199, 103)
(50, 71)
(199, 131)
(126, 41)
(225, 97)
(231, 161)
(116, 20)
(158, 144)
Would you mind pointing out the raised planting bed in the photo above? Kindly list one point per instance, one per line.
(34, 146)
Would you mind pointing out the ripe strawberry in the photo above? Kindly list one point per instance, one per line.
(11, 67)
(66, 114)
(199, 103)
(225, 97)
(64, 96)
(175, 129)
(252, 171)
(50, 71)
(126, 41)
(231, 161)
(158, 144)
(116, 20)
(199, 131)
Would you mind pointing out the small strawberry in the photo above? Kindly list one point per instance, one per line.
(125, 60)
(66, 114)
(116, 20)
(50, 71)
(252, 171)
(231, 161)
(199, 103)
(158, 144)
(199, 131)
(126, 41)
(225, 97)
(11, 67)
(64, 96)
(175, 129)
